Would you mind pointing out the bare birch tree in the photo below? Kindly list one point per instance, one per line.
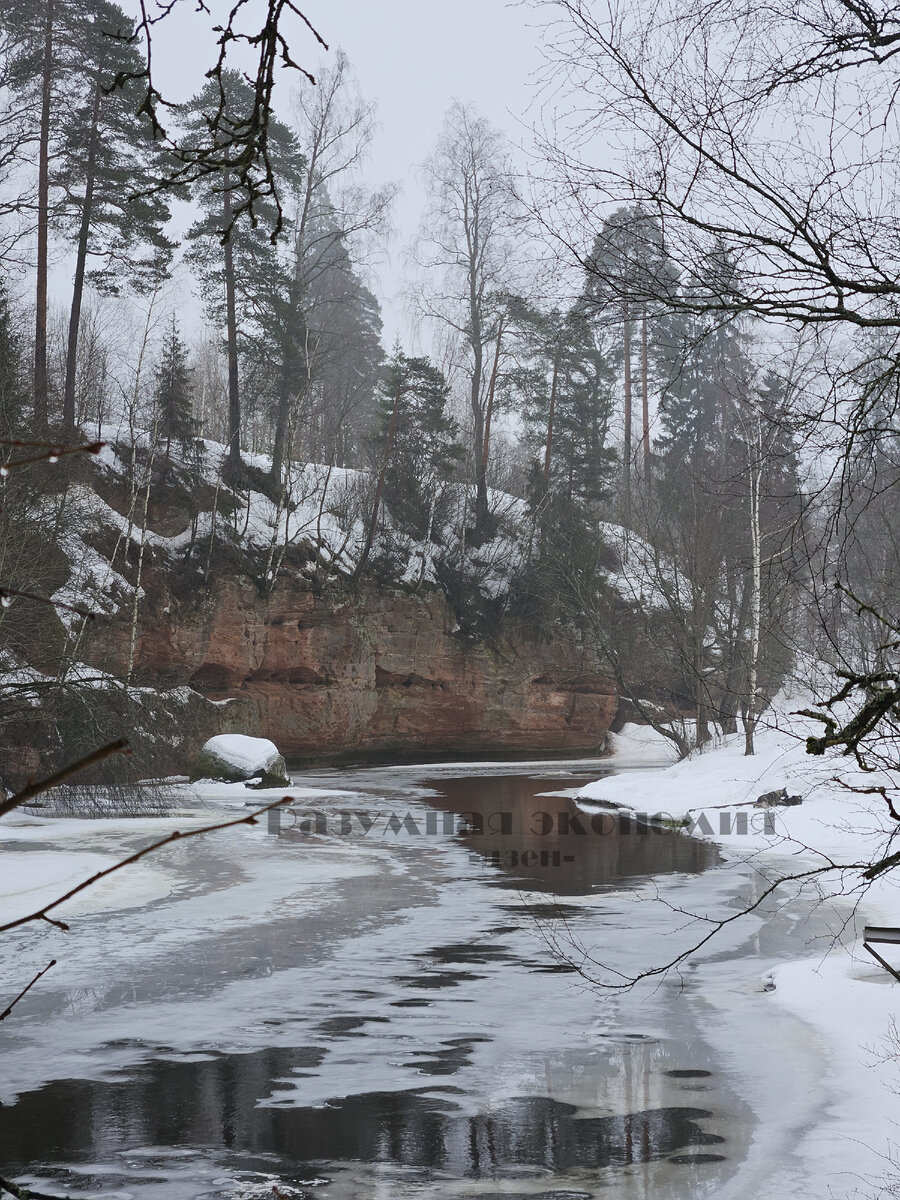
(466, 254)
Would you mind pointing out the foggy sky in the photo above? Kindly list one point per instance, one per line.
(413, 57)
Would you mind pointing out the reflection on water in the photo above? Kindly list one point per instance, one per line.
(546, 843)
(214, 1104)
(378, 1086)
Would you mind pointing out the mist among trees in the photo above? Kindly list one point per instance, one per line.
(617, 411)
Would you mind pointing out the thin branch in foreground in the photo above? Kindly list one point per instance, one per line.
(120, 746)
(881, 791)
(25, 990)
(51, 455)
(236, 146)
(586, 962)
(41, 914)
(21, 444)
(7, 595)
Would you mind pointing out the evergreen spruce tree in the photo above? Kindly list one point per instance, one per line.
(12, 390)
(333, 374)
(564, 382)
(174, 392)
(728, 496)
(710, 376)
(416, 448)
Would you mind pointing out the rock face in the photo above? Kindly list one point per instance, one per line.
(235, 758)
(377, 672)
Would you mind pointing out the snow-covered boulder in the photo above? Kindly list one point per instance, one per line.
(235, 758)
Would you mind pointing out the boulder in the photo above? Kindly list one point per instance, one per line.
(235, 758)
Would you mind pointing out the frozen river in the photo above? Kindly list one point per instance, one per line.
(376, 996)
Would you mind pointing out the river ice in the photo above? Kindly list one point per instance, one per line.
(392, 1014)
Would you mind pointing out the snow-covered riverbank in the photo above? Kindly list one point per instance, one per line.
(839, 991)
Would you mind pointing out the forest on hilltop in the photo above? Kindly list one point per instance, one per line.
(646, 444)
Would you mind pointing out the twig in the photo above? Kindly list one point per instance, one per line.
(21, 444)
(176, 836)
(44, 785)
(25, 990)
(7, 595)
(51, 455)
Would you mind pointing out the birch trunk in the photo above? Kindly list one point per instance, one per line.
(755, 589)
(549, 447)
(234, 397)
(645, 398)
(626, 447)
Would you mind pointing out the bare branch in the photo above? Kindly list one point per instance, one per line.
(52, 454)
(237, 147)
(7, 595)
(120, 746)
(25, 990)
(41, 914)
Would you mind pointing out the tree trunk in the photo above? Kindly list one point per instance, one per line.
(43, 207)
(481, 496)
(490, 400)
(755, 591)
(234, 396)
(432, 508)
(135, 605)
(281, 424)
(549, 447)
(699, 623)
(288, 372)
(80, 266)
(379, 486)
(476, 341)
(626, 448)
(645, 399)
(702, 713)
(735, 663)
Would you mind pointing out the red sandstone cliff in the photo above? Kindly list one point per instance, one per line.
(376, 672)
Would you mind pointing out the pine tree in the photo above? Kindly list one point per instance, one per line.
(245, 282)
(424, 450)
(105, 155)
(628, 278)
(44, 72)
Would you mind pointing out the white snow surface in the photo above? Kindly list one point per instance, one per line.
(640, 745)
(841, 994)
(250, 754)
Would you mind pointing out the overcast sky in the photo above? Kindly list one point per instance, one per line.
(413, 57)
